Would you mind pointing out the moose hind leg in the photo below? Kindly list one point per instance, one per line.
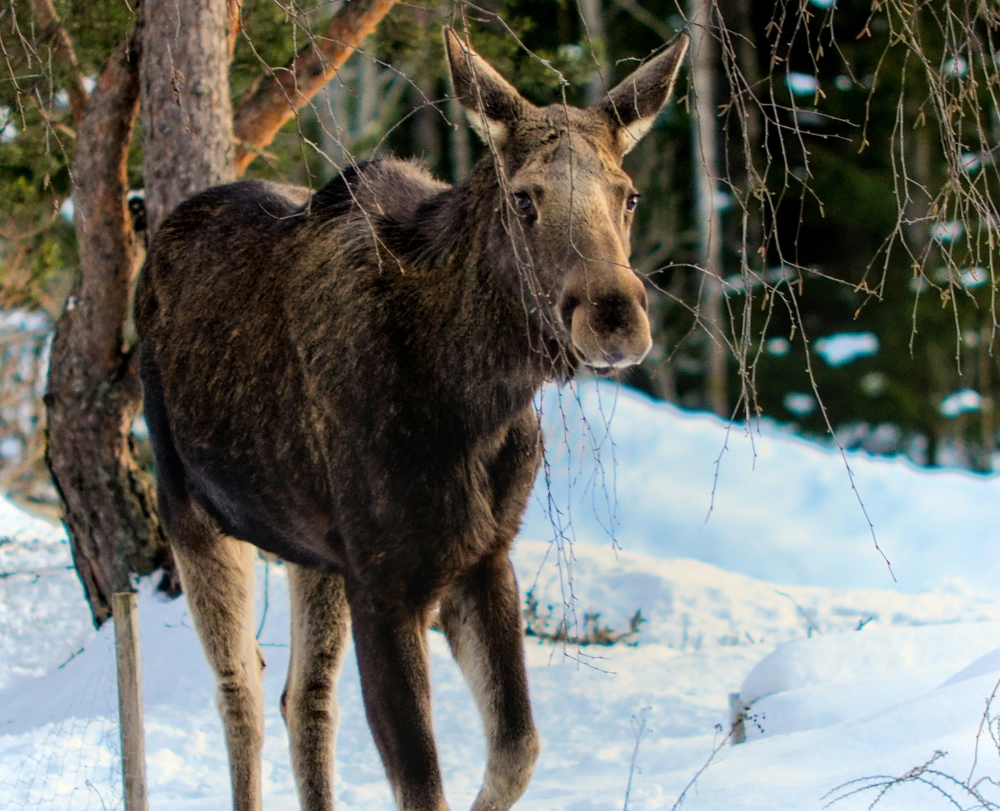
(320, 624)
(218, 579)
(481, 616)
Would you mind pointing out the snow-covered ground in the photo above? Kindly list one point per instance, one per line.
(781, 596)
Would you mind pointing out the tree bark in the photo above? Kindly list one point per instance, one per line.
(275, 97)
(187, 116)
(461, 149)
(93, 390)
(705, 148)
(426, 138)
(592, 16)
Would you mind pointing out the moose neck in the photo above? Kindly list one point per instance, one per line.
(492, 346)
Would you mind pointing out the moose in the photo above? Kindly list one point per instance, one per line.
(345, 380)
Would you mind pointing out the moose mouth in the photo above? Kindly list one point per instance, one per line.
(605, 367)
(601, 369)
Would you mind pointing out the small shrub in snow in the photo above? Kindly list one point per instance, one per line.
(944, 785)
(547, 627)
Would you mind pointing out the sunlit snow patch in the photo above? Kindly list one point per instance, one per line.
(970, 161)
(973, 277)
(955, 67)
(961, 402)
(778, 347)
(8, 129)
(802, 84)
(947, 231)
(800, 403)
(723, 201)
(842, 348)
(782, 273)
(572, 52)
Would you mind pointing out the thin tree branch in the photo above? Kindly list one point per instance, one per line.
(62, 48)
(235, 22)
(648, 19)
(275, 97)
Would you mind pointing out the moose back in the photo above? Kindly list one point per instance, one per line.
(345, 380)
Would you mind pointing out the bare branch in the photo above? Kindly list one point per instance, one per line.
(276, 96)
(62, 48)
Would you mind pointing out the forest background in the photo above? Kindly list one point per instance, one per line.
(817, 230)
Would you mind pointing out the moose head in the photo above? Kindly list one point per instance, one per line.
(567, 204)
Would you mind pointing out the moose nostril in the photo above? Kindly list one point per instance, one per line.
(566, 311)
(612, 314)
(615, 357)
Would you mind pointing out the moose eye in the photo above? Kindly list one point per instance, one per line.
(523, 202)
(631, 202)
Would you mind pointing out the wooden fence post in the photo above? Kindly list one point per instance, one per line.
(125, 611)
(737, 717)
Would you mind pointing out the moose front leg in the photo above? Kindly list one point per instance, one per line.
(482, 619)
(391, 647)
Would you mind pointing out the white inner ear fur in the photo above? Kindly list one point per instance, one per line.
(629, 136)
(492, 132)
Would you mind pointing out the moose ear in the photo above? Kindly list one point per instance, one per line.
(491, 103)
(633, 105)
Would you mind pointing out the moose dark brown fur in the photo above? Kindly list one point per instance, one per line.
(345, 380)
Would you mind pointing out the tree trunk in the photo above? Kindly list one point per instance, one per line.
(426, 137)
(187, 118)
(62, 49)
(592, 15)
(746, 126)
(705, 148)
(461, 149)
(93, 390)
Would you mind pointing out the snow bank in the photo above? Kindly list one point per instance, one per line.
(821, 702)
(38, 590)
(784, 509)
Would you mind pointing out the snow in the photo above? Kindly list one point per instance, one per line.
(961, 402)
(802, 84)
(784, 510)
(947, 231)
(68, 209)
(955, 67)
(974, 276)
(799, 403)
(840, 349)
(779, 596)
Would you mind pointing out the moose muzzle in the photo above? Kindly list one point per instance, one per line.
(605, 314)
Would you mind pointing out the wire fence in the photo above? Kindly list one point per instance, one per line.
(59, 749)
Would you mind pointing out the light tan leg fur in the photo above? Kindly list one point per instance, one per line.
(320, 628)
(218, 579)
(482, 620)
